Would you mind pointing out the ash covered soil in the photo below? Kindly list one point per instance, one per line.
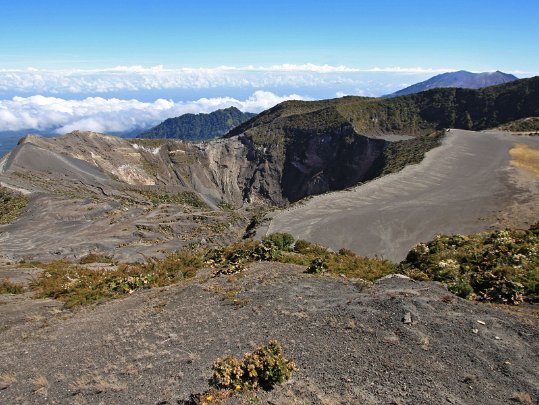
(472, 182)
(348, 340)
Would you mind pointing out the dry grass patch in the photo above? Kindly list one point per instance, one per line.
(522, 398)
(6, 380)
(7, 287)
(96, 258)
(526, 157)
(282, 248)
(75, 285)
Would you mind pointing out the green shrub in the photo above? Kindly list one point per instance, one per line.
(302, 246)
(345, 252)
(283, 241)
(127, 285)
(500, 266)
(265, 368)
(231, 259)
(236, 257)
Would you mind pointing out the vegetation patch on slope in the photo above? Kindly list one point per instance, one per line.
(398, 155)
(8, 287)
(189, 198)
(529, 124)
(76, 285)
(500, 266)
(11, 205)
(281, 247)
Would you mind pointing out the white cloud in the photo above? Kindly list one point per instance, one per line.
(139, 78)
(115, 115)
(410, 70)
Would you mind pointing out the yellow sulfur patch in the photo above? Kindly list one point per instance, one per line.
(526, 157)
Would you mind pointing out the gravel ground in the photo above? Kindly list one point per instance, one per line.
(349, 341)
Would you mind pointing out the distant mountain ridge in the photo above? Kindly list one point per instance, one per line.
(462, 79)
(317, 146)
(199, 127)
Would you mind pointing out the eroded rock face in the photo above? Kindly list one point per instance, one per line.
(233, 170)
(328, 161)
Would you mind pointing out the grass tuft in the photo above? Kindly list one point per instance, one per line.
(7, 287)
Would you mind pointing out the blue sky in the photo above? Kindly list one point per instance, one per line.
(477, 35)
(114, 66)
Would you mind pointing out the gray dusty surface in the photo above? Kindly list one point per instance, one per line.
(350, 343)
(86, 194)
(464, 186)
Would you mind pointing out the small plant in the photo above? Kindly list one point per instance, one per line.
(264, 368)
(302, 246)
(7, 287)
(127, 285)
(235, 258)
(317, 266)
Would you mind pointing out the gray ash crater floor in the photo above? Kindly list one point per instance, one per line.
(350, 343)
(464, 186)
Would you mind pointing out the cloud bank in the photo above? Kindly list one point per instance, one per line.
(139, 78)
(99, 114)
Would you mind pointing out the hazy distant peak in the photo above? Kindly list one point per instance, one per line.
(461, 78)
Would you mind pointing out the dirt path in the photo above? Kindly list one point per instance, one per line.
(464, 186)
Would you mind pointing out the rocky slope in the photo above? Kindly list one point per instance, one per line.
(462, 78)
(91, 192)
(398, 341)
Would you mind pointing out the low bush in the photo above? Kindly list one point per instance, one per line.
(265, 367)
(236, 257)
(282, 241)
(500, 266)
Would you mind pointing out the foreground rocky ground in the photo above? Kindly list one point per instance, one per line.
(352, 343)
